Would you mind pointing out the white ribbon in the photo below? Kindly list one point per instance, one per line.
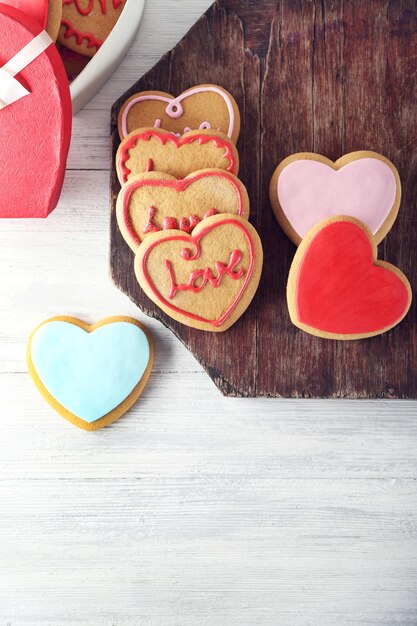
(10, 88)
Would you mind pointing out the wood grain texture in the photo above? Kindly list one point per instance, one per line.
(193, 509)
(329, 77)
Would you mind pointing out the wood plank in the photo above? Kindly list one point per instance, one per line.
(188, 553)
(317, 76)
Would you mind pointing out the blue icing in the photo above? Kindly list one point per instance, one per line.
(90, 374)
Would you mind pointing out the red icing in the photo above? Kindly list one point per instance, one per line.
(200, 278)
(340, 290)
(35, 9)
(206, 276)
(149, 166)
(187, 224)
(35, 131)
(72, 31)
(90, 5)
(176, 141)
(178, 185)
(90, 39)
(150, 227)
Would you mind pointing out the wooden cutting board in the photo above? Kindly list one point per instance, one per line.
(320, 76)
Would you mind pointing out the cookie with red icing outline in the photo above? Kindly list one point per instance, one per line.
(154, 201)
(203, 107)
(337, 289)
(307, 188)
(156, 150)
(86, 24)
(205, 279)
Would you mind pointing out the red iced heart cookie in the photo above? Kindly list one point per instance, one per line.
(152, 150)
(336, 287)
(35, 125)
(206, 279)
(155, 201)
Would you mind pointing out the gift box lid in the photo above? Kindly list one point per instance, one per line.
(35, 117)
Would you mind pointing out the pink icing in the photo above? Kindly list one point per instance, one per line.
(175, 110)
(310, 191)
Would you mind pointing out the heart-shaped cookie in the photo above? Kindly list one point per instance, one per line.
(204, 107)
(336, 287)
(36, 118)
(91, 375)
(152, 150)
(155, 201)
(86, 24)
(207, 279)
(307, 188)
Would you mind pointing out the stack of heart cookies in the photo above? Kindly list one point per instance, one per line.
(337, 213)
(182, 209)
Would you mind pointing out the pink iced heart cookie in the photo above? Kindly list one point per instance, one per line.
(207, 279)
(204, 107)
(35, 118)
(307, 188)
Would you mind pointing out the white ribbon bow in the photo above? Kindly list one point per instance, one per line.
(10, 88)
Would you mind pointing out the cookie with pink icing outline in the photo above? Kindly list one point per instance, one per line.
(204, 107)
(86, 24)
(205, 279)
(157, 150)
(307, 188)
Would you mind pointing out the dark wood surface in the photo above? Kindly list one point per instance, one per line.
(322, 76)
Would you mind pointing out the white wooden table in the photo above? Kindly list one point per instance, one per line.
(194, 509)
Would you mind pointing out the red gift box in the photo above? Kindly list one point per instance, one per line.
(35, 118)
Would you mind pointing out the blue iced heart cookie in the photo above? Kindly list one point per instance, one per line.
(90, 374)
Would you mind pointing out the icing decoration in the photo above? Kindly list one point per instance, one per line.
(199, 278)
(178, 142)
(35, 9)
(191, 253)
(186, 223)
(90, 6)
(90, 374)
(341, 289)
(71, 31)
(310, 191)
(90, 39)
(175, 109)
(35, 130)
(11, 90)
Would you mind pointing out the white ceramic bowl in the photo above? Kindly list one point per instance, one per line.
(105, 61)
